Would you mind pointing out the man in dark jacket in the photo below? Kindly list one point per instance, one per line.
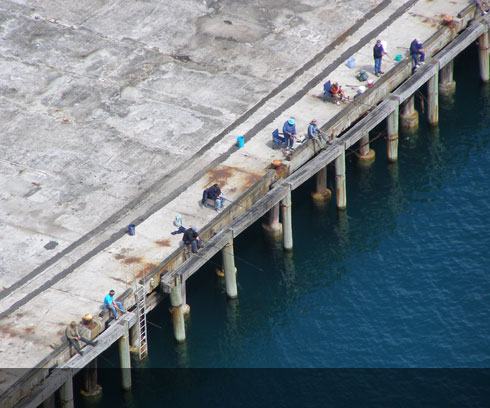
(214, 193)
(417, 53)
(191, 237)
(378, 52)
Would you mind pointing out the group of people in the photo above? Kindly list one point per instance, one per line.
(416, 52)
(289, 132)
(73, 334)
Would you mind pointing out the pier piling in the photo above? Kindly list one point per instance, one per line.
(447, 85)
(340, 181)
(273, 226)
(66, 393)
(322, 193)
(228, 257)
(392, 142)
(366, 154)
(409, 116)
(433, 99)
(177, 311)
(287, 225)
(90, 387)
(125, 359)
(484, 57)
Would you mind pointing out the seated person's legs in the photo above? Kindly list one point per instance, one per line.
(75, 344)
(113, 310)
(120, 306)
(422, 56)
(89, 342)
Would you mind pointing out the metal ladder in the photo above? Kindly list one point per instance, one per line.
(141, 309)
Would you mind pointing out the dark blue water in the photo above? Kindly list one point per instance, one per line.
(400, 279)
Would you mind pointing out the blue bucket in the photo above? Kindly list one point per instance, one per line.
(240, 141)
(351, 62)
(131, 229)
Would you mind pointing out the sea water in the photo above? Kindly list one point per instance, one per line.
(401, 279)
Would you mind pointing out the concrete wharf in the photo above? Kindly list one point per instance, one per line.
(108, 124)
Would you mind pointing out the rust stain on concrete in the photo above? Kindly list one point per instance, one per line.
(133, 260)
(220, 175)
(147, 268)
(163, 243)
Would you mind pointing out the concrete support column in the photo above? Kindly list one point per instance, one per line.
(49, 402)
(366, 154)
(66, 393)
(484, 58)
(273, 226)
(125, 359)
(90, 387)
(228, 257)
(340, 181)
(186, 309)
(177, 311)
(409, 117)
(433, 99)
(287, 224)
(134, 336)
(322, 193)
(392, 142)
(447, 85)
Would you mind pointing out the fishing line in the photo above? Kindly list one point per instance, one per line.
(237, 257)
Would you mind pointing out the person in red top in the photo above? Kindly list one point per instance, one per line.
(337, 92)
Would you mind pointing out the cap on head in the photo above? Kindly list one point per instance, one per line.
(215, 186)
(194, 229)
(73, 323)
(378, 42)
(112, 291)
(313, 121)
(291, 121)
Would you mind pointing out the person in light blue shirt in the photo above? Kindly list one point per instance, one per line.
(112, 305)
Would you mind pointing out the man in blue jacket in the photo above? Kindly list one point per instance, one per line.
(378, 52)
(289, 131)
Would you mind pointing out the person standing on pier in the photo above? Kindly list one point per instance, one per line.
(289, 131)
(378, 52)
(112, 305)
(191, 237)
(417, 53)
(74, 337)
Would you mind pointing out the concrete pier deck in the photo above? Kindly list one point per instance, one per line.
(118, 113)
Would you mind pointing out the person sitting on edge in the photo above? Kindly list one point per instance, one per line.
(417, 53)
(378, 52)
(191, 237)
(74, 337)
(214, 193)
(313, 131)
(289, 131)
(112, 305)
(336, 92)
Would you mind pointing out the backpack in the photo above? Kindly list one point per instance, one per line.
(362, 75)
